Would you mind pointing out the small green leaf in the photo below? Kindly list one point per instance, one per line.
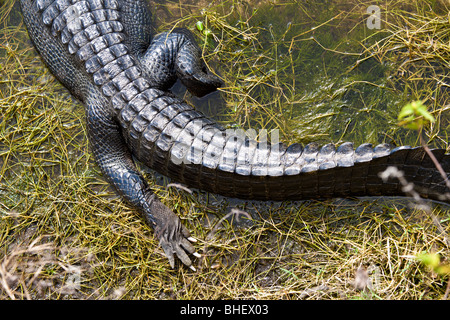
(431, 260)
(413, 115)
(405, 112)
(200, 26)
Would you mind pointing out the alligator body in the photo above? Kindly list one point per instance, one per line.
(103, 52)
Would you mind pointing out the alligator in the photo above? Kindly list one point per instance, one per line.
(104, 53)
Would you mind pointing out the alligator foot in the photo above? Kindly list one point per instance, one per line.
(174, 238)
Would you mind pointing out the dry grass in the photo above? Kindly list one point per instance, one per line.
(64, 234)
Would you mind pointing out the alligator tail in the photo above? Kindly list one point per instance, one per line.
(172, 138)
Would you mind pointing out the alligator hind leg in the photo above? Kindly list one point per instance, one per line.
(175, 55)
(115, 161)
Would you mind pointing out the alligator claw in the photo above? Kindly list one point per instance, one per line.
(174, 238)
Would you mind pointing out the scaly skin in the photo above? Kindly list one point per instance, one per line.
(102, 52)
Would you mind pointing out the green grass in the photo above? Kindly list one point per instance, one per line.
(316, 73)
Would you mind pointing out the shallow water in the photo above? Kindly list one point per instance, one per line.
(305, 59)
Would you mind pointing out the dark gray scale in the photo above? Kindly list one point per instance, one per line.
(398, 155)
(103, 4)
(105, 15)
(100, 43)
(118, 83)
(85, 52)
(137, 126)
(94, 63)
(106, 27)
(148, 152)
(363, 154)
(105, 48)
(344, 160)
(293, 152)
(439, 154)
(138, 103)
(69, 14)
(429, 180)
(429, 177)
(194, 156)
(128, 83)
(151, 111)
(260, 159)
(50, 13)
(118, 102)
(308, 160)
(112, 69)
(80, 37)
(243, 170)
(192, 124)
(111, 53)
(78, 40)
(174, 129)
(245, 157)
(445, 163)
(107, 4)
(126, 116)
(96, 5)
(43, 4)
(413, 162)
(211, 158)
(374, 184)
(275, 181)
(345, 155)
(230, 152)
(159, 61)
(165, 142)
(275, 165)
(130, 91)
(326, 178)
(308, 169)
(227, 164)
(397, 158)
(259, 170)
(166, 139)
(326, 157)
(438, 185)
(75, 19)
(138, 123)
(200, 144)
(214, 150)
(159, 113)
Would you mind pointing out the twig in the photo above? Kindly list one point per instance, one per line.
(408, 188)
(234, 211)
(179, 186)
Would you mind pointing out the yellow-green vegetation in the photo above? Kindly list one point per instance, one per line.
(313, 70)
